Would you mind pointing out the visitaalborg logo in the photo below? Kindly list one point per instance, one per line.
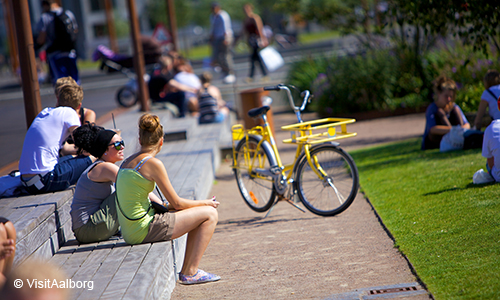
(49, 284)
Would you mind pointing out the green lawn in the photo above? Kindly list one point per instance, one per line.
(448, 227)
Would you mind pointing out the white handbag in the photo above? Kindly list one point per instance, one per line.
(271, 58)
(453, 140)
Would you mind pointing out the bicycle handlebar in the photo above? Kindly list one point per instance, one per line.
(305, 94)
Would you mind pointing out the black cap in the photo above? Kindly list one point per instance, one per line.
(214, 4)
(101, 142)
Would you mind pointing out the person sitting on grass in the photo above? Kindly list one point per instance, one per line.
(442, 114)
(42, 171)
(7, 247)
(489, 98)
(491, 151)
(139, 223)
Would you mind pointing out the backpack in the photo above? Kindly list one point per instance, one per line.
(207, 106)
(65, 33)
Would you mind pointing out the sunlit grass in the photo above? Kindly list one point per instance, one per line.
(448, 227)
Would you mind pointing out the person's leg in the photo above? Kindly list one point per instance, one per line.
(101, 225)
(261, 64)
(199, 223)
(433, 140)
(7, 246)
(66, 173)
(178, 99)
(456, 117)
(223, 57)
(253, 58)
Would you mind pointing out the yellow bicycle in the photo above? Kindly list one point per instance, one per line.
(322, 175)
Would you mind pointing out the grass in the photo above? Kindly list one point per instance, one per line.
(87, 64)
(448, 227)
(310, 38)
(203, 51)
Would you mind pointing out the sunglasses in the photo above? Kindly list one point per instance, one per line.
(118, 145)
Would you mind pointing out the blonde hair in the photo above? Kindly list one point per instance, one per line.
(491, 78)
(443, 83)
(205, 77)
(68, 92)
(62, 82)
(150, 130)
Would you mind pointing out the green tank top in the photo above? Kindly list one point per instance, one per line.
(132, 192)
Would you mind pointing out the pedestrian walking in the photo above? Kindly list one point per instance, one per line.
(57, 29)
(254, 31)
(221, 38)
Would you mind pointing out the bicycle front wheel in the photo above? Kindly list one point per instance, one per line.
(332, 185)
(126, 96)
(255, 188)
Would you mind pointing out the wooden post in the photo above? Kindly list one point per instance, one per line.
(138, 56)
(111, 26)
(11, 34)
(29, 76)
(172, 23)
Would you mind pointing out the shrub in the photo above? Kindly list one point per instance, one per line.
(469, 96)
(388, 79)
(369, 81)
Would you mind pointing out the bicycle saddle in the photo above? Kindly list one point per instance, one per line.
(259, 111)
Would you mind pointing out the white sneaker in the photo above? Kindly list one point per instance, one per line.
(229, 79)
(481, 177)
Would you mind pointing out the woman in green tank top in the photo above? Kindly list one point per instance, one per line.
(139, 224)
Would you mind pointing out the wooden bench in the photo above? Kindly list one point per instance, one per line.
(146, 271)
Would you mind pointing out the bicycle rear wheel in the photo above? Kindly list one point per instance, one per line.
(126, 96)
(256, 189)
(333, 193)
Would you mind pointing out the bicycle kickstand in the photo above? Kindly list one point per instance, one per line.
(289, 201)
(271, 209)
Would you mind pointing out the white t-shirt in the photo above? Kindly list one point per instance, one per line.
(492, 101)
(491, 146)
(44, 139)
(190, 80)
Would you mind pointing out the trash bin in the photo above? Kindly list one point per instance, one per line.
(253, 98)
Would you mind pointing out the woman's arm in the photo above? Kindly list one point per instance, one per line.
(440, 130)
(480, 113)
(154, 170)
(104, 172)
(260, 28)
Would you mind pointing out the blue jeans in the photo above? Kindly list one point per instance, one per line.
(179, 100)
(218, 118)
(63, 64)
(65, 173)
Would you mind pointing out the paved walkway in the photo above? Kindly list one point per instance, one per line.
(295, 255)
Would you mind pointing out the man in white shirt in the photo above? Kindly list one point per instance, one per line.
(221, 37)
(42, 170)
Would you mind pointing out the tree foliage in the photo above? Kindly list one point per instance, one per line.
(475, 21)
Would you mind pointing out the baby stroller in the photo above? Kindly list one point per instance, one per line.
(127, 95)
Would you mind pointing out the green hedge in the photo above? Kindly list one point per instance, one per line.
(389, 79)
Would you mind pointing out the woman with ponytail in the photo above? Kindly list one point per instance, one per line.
(139, 223)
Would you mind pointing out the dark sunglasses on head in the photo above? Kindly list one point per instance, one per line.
(118, 145)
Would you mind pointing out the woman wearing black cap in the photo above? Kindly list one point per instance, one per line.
(93, 210)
